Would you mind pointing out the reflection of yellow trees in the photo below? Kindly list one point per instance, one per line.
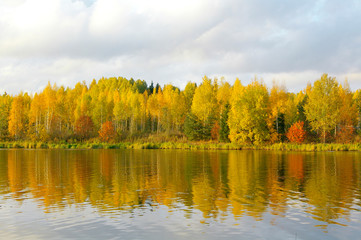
(17, 180)
(4, 181)
(330, 196)
(247, 183)
(215, 183)
(204, 195)
(276, 184)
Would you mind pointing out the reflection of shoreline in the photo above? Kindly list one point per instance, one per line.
(234, 183)
(303, 147)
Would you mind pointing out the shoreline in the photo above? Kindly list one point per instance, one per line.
(307, 147)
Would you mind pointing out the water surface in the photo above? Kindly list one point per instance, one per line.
(177, 194)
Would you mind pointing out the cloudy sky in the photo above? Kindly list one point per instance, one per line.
(165, 41)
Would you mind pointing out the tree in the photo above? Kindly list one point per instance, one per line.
(141, 86)
(296, 133)
(5, 107)
(224, 131)
(151, 88)
(189, 91)
(348, 114)
(322, 107)
(193, 128)
(122, 109)
(36, 118)
(84, 127)
(357, 101)
(49, 98)
(205, 106)
(249, 113)
(215, 131)
(107, 132)
(99, 110)
(223, 94)
(204, 103)
(18, 118)
(278, 106)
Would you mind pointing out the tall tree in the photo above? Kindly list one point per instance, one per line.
(18, 118)
(5, 107)
(278, 107)
(249, 112)
(193, 128)
(84, 127)
(189, 91)
(49, 97)
(348, 114)
(205, 105)
(357, 101)
(107, 132)
(323, 106)
(224, 131)
(36, 118)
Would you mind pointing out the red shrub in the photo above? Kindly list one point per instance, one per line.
(296, 133)
(107, 132)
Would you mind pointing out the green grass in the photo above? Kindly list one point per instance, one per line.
(309, 147)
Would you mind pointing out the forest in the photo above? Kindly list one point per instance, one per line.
(121, 110)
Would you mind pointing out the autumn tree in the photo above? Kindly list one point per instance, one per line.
(224, 128)
(83, 101)
(107, 132)
(188, 92)
(49, 98)
(357, 102)
(37, 129)
(5, 107)
(122, 111)
(84, 127)
(224, 92)
(153, 109)
(296, 133)
(62, 128)
(248, 116)
(323, 106)
(18, 119)
(205, 106)
(278, 106)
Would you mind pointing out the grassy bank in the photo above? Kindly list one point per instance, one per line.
(182, 145)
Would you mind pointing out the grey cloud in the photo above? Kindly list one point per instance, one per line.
(293, 40)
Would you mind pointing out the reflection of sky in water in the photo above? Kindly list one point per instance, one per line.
(87, 222)
(179, 194)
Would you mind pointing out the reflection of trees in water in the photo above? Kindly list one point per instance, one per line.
(215, 183)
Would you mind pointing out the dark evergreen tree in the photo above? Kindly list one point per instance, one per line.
(151, 88)
(193, 129)
(157, 88)
(280, 126)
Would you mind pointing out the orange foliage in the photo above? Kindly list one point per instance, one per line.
(107, 132)
(84, 127)
(296, 133)
(215, 131)
(345, 134)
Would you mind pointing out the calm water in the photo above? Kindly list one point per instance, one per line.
(155, 194)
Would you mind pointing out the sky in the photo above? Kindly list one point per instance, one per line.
(67, 41)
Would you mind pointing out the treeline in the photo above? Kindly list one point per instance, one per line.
(118, 109)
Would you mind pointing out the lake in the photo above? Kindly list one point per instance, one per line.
(177, 194)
